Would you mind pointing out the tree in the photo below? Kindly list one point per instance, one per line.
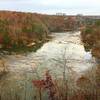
(1, 39)
(6, 40)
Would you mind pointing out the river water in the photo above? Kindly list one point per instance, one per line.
(64, 47)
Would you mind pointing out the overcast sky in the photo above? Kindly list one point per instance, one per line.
(53, 6)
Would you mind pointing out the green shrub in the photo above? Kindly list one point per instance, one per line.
(88, 30)
(97, 23)
(6, 40)
(38, 28)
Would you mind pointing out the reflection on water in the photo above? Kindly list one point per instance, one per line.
(18, 82)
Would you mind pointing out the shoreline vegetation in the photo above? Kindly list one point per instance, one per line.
(32, 47)
(18, 30)
(90, 36)
(91, 39)
(21, 32)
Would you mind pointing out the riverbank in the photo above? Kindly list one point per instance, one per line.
(91, 39)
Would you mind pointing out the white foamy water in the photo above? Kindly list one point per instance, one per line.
(75, 54)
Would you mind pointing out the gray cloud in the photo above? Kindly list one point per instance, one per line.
(52, 6)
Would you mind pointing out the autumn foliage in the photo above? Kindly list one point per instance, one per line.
(46, 84)
(20, 29)
(91, 38)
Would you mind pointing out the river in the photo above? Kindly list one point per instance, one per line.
(22, 69)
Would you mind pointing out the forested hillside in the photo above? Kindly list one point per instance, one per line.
(19, 29)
